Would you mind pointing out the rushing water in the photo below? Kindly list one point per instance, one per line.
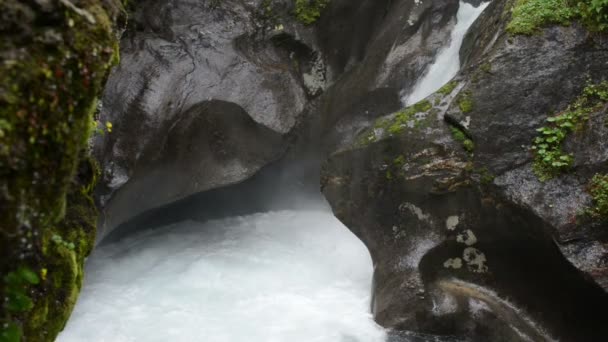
(447, 62)
(271, 277)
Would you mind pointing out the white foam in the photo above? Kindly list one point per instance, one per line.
(273, 277)
(447, 63)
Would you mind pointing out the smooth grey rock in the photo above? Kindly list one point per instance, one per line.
(205, 95)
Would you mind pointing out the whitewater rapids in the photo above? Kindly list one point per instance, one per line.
(269, 277)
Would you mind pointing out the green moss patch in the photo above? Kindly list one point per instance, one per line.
(406, 117)
(448, 88)
(396, 124)
(309, 11)
(53, 64)
(465, 102)
(460, 136)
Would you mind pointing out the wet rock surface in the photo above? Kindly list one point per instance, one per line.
(514, 87)
(465, 238)
(467, 242)
(204, 85)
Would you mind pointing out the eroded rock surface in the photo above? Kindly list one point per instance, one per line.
(255, 56)
(465, 238)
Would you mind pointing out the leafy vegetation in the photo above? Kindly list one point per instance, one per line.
(309, 11)
(598, 188)
(528, 16)
(460, 136)
(16, 300)
(550, 159)
(594, 13)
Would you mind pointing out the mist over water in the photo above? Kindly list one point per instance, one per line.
(269, 277)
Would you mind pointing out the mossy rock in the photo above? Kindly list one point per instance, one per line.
(54, 60)
(309, 11)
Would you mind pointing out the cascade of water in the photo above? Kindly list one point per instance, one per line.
(447, 62)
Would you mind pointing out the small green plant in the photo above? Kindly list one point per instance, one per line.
(550, 159)
(59, 241)
(528, 16)
(309, 11)
(10, 332)
(598, 188)
(594, 13)
(462, 138)
(465, 102)
(399, 161)
(17, 300)
(485, 176)
(16, 284)
(99, 128)
(447, 88)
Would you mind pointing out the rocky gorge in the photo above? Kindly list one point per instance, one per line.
(462, 142)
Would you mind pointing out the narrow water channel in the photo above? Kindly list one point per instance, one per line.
(271, 277)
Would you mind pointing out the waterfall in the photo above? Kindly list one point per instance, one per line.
(447, 63)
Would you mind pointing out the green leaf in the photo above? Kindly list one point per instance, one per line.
(18, 302)
(10, 332)
(28, 275)
(12, 279)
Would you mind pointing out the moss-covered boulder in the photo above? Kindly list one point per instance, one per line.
(54, 59)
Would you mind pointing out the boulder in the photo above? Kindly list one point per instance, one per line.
(206, 94)
(466, 239)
